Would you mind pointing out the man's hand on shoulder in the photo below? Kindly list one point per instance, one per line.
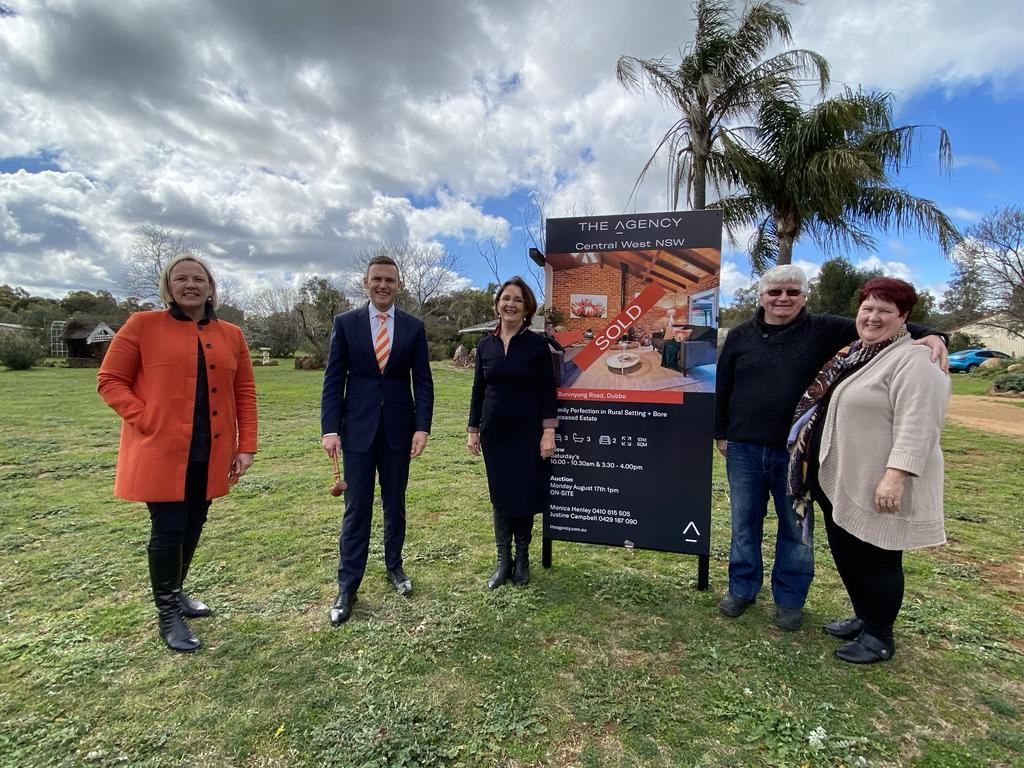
(419, 442)
(940, 355)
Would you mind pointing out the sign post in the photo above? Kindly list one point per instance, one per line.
(639, 295)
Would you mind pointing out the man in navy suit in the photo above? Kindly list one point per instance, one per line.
(369, 413)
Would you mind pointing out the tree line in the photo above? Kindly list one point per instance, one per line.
(284, 319)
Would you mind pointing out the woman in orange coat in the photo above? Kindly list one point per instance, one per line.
(182, 382)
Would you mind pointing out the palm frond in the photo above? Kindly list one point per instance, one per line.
(764, 246)
(633, 73)
(837, 234)
(889, 207)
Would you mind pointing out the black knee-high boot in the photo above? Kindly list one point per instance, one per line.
(523, 531)
(503, 542)
(193, 609)
(165, 576)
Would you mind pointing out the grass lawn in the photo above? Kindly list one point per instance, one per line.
(611, 658)
(971, 383)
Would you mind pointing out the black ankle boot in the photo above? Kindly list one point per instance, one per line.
(503, 542)
(165, 575)
(193, 609)
(523, 535)
(866, 649)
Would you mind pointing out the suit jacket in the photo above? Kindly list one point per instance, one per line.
(149, 377)
(356, 395)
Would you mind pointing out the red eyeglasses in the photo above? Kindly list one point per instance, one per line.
(776, 292)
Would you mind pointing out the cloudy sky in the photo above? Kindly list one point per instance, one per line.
(285, 138)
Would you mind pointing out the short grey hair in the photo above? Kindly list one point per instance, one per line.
(165, 277)
(785, 273)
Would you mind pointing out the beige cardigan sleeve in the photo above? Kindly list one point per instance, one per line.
(919, 394)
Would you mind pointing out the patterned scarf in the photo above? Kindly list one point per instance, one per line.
(808, 413)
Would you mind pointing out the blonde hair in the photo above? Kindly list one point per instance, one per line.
(165, 278)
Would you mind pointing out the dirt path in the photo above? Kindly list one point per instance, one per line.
(990, 414)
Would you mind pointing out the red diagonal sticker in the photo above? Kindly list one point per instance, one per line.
(619, 326)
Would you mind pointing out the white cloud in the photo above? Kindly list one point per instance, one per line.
(965, 214)
(732, 279)
(905, 46)
(976, 161)
(889, 268)
(285, 142)
(810, 268)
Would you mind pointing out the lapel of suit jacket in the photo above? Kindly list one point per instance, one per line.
(363, 337)
(400, 336)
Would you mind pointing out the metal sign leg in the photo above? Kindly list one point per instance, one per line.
(703, 567)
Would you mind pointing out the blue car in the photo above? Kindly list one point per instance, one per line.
(968, 359)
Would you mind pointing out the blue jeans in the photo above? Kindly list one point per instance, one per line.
(755, 471)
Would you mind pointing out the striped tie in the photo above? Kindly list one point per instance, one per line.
(382, 345)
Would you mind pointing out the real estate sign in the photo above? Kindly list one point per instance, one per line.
(635, 299)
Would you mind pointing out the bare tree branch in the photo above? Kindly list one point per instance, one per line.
(152, 248)
(427, 271)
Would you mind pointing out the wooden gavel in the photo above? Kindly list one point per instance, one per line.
(339, 485)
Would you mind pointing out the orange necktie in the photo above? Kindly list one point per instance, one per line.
(382, 346)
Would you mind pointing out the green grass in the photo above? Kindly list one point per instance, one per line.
(971, 383)
(611, 658)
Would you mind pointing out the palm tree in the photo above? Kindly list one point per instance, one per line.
(825, 172)
(721, 79)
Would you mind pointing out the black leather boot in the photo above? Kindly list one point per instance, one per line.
(165, 576)
(523, 530)
(193, 609)
(503, 542)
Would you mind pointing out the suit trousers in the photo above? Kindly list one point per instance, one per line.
(361, 470)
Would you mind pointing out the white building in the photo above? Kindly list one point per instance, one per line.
(993, 337)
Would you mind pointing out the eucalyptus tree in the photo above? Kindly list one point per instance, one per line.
(722, 77)
(826, 172)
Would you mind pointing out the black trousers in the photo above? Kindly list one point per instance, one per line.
(873, 576)
(180, 523)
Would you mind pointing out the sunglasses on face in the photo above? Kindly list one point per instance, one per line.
(776, 292)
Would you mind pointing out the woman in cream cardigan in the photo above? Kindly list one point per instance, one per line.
(865, 446)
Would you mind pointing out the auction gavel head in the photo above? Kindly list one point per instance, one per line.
(339, 485)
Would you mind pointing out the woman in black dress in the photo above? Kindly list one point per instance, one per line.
(512, 417)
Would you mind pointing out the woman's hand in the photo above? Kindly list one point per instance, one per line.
(890, 491)
(473, 443)
(239, 465)
(547, 443)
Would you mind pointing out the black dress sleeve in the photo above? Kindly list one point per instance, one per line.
(476, 399)
(546, 378)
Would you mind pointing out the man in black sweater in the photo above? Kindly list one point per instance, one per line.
(765, 366)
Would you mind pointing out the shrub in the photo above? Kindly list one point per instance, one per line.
(1009, 382)
(470, 340)
(440, 350)
(19, 351)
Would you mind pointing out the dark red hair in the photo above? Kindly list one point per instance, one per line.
(891, 289)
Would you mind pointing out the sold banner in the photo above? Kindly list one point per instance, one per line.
(636, 297)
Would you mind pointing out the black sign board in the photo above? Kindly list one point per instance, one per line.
(637, 297)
